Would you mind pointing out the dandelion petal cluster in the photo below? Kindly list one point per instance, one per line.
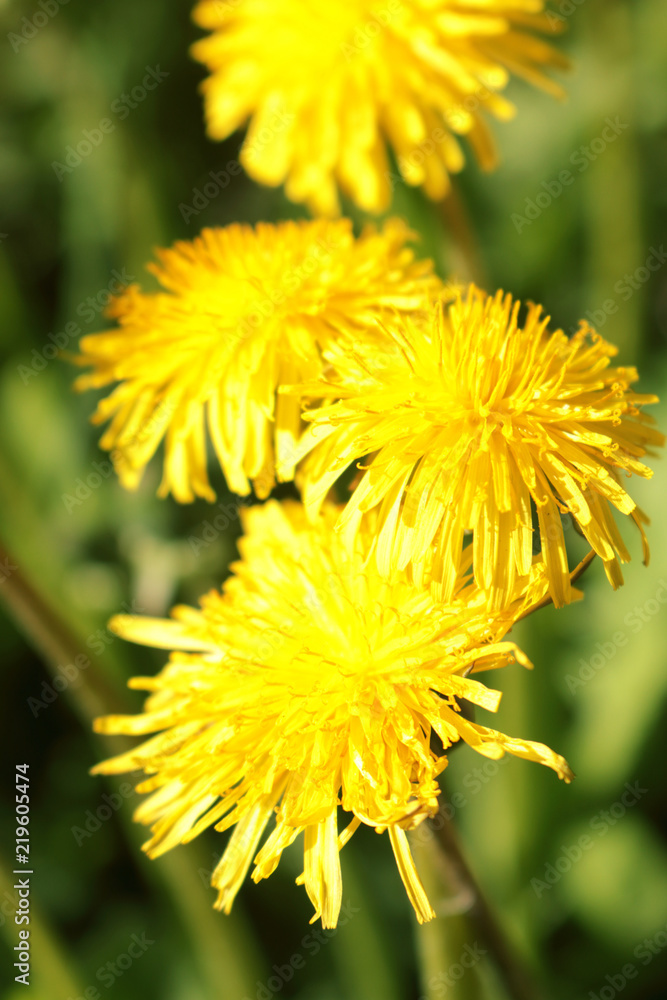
(328, 87)
(471, 422)
(242, 311)
(312, 687)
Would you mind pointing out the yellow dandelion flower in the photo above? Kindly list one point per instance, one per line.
(467, 422)
(327, 87)
(309, 684)
(243, 310)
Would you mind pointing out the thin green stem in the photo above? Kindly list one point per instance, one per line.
(616, 242)
(56, 643)
(465, 259)
(576, 573)
(516, 979)
(443, 942)
(224, 950)
(53, 971)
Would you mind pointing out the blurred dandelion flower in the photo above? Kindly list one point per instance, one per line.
(467, 421)
(243, 310)
(311, 683)
(328, 86)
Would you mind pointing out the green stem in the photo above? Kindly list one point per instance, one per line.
(576, 573)
(50, 965)
(55, 643)
(359, 950)
(516, 980)
(222, 945)
(613, 199)
(465, 259)
(442, 942)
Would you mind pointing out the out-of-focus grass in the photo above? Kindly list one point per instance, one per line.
(63, 240)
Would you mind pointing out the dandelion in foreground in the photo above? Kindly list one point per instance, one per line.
(467, 421)
(327, 87)
(242, 311)
(307, 685)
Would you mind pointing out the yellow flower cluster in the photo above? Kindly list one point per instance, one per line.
(349, 635)
(330, 671)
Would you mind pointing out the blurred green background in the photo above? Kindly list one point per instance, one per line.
(598, 695)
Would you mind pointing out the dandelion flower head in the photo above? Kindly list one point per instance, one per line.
(242, 310)
(475, 423)
(328, 87)
(310, 686)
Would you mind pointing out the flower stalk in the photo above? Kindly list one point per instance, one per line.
(462, 884)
